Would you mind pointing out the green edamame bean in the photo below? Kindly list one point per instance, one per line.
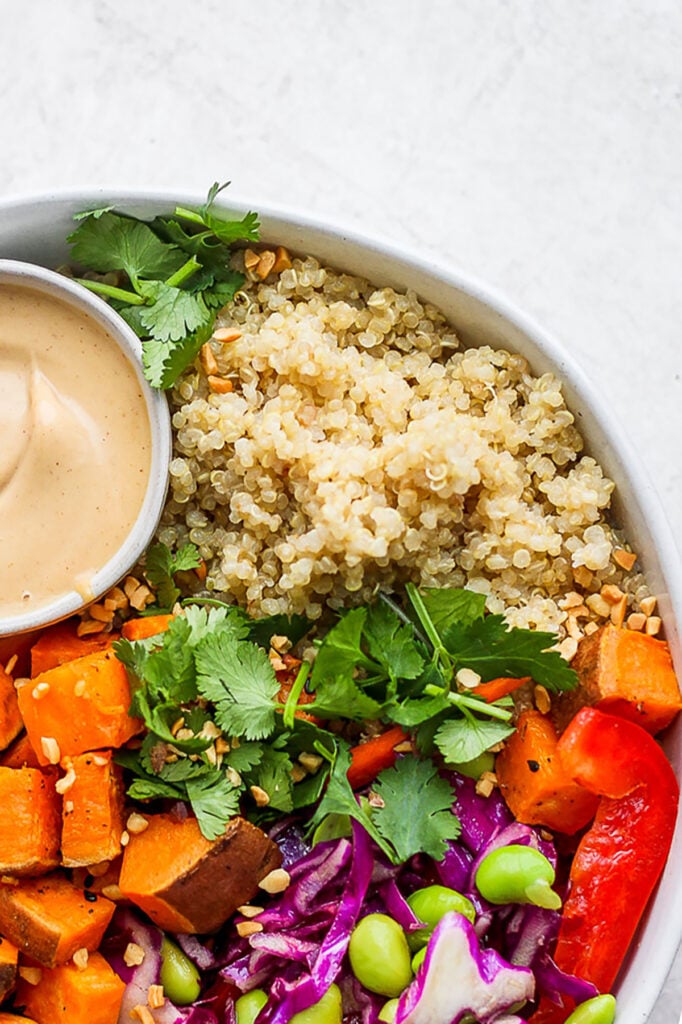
(473, 769)
(379, 955)
(517, 874)
(248, 1006)
(430, 904)
(599, 1010)
(388, 1011)
(326, 1011)
(179, 976)
(418, 959)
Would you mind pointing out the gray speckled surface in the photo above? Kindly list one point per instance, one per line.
(536, 144)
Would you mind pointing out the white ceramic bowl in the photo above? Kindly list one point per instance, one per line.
(84, 302)
(34, 229)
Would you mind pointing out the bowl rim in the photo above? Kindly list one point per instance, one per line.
(48, 282)
(405, 255)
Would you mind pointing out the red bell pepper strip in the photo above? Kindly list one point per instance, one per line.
(495, 689)
(620, 858)
(370, 758)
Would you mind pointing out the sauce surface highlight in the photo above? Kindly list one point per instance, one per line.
(75, 449)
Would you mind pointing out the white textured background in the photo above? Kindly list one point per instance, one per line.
(536, 144)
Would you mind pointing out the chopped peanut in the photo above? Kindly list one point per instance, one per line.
(156, 997)
(50, 749)
(636, 620)
(542, 701)
(246, 928)
(226, 334)
(100, 614)
(86, 627)
(653, 625)
(251, 259)
(33, 975)
(625, 559)
(249, 911)
(647, 605)
(265, 264)
(597, 604)
(260, 796)
(136, 823)
(143, 1014)
(567, 650)
(208, 359)
(282, 260)
(134, 955)
(141, 597)
(583, 576)
(611, 593)
(275, 881)
(80, 958)
(219, 385)
(618, 611)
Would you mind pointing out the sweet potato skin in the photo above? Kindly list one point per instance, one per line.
(30, 821)
(533, 782)
(48, 919)
(84, 708)
(60, 643)
(9, 958)
(10, 715)
(66, 993)
(12, 1018)
(93, 811)
(187, 883)
(622, 672)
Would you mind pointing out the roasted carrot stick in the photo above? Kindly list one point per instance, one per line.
(495, 689)
(368, 759)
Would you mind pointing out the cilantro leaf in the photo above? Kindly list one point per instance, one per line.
(244, 757)
(416, 711)
(96, 213)
(214, 801)
(448, 605)
(340, 652)
(463, 739)
(391, 643)
(173, 313)
(273, 775)
(169, 669)
(113, 242)
(417, 813)
(164, 362)
(339, 697)
(339, 798)
(154, 789)
(238, 678)
(491, 648)
(294, 627)
(203, 621)
(160, 568)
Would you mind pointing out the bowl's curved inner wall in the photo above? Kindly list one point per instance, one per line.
(36, 230)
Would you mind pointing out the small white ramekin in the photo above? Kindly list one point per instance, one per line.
(82, 300)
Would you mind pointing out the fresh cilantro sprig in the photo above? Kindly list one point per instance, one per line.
(161, 565)
(177, 275)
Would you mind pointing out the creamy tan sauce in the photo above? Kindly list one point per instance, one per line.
(75, 449)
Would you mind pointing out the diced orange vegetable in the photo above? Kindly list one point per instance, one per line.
(93, 813)
(146, 626)
(16, 650)
(12, 1018)
(60, 643)
(10, 716)
(623, 672)
(495, 689)
(368, 759)
(187, 883)
(81, 706)
(9, 956)
(99, 877)
(48, 918)
(30, 822)
(67, 993)
(533, 782)
(20, 755)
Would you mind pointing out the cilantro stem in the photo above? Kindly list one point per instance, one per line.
(429, 628)
(196, 218)
(462, 701)
(397, 610)
(184, 272)
(294, 693)
(132, 298)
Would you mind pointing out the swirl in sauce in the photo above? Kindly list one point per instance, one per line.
(75, 448)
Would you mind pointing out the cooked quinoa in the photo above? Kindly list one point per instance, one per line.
(361, 447)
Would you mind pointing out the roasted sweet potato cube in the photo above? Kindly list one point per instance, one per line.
(10, 716)
(534, 783)
(187, 883)
(9, 957)
(48, 918)
(12, 1018)
(626, 673)
(30, 822)
(61, 643)
(93, 811)
(77, 707)
(69, 993)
